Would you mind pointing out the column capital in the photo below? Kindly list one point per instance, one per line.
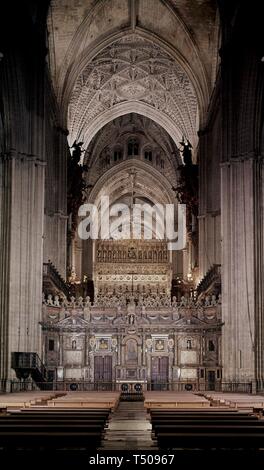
(13, 154)
(238, 159)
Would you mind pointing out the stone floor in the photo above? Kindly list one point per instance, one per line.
(129, 429)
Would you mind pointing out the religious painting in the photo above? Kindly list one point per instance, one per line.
(159, 345)
(103, 344)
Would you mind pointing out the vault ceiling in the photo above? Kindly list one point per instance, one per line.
(133, 69)
(111, 57)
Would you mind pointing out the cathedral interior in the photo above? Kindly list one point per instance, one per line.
(156, 102)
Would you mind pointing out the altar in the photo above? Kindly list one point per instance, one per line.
(131, 386)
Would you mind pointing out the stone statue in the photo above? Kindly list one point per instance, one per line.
(56, 301)
(80, 301)
(213, 300)
(131, 319)
(174, 302)
(77, 151)
(207, 302)
(186, 152)
(183, 302)
(88, 302)
(72, 303)
(87, 313)
(49, 300)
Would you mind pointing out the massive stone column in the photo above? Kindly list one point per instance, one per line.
(26, 254)
(242, 208)
(259, 272)
(5, 202)
(22, 207)
(242, 278)
(238, 274)
(26, 124)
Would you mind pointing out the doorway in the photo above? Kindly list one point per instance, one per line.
(103, 372)
(211, 379)
(159, 373)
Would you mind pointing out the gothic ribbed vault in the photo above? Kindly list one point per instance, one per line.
(111, 57)
(133, 70)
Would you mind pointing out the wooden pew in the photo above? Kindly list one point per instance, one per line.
(200, 416)
(67, 412)
(206, 411)
(175, 400)
(27, 399)
(52, 429)
(86, 400)
(205, 429)
(100, 423)
(54, 418)
(209, 428)
(12, 440)
(203, 422)
(212, 416)
(211, 440)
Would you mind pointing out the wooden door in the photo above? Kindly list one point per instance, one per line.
(211, 380)
(103, 371)
(159, 372)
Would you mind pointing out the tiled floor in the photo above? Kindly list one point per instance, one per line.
(129, 429)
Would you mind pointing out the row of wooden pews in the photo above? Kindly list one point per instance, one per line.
(86, 400)
(27, 399)
(175, 400)
(75, 424)
(236, 400)
(211, 428)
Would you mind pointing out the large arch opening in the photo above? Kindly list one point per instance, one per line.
(133, 94)
(133, 162)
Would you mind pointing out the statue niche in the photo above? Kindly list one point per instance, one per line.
(131, 355)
